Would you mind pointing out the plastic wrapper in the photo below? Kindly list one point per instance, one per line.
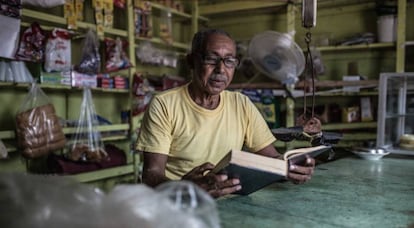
(91, 60)
(9, 34)
(58, 51)
(32, 44)
(117, 58)
(38, 129)
(87, 144)
(19, 72)
(6, 74)
(55, 201)
(142, 94)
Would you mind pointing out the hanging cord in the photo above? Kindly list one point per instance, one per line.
(309, 65)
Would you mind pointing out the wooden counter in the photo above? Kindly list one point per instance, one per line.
(348, 192)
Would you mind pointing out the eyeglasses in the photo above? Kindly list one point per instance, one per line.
(229, 61)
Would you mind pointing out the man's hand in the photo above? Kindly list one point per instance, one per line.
(299, 174)
(215, 185)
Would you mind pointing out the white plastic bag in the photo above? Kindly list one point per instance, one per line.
(87, 144)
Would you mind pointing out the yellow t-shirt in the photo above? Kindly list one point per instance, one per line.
(190, 135)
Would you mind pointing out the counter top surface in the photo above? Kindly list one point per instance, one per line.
(348, 192)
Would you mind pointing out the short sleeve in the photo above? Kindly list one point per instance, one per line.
(258, 134)
(155, 132)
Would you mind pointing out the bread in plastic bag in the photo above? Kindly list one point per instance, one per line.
(38, 129)
(86, 143)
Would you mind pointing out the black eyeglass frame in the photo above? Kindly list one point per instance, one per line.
(217, 59)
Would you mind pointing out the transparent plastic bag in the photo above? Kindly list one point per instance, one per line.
(38, 129)
(87, 144)
(39, 201)
(197, 206)
(54, 201)
(91, 60)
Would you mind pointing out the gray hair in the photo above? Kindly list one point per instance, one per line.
(200, 38)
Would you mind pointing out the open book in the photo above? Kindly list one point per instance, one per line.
(257, 171)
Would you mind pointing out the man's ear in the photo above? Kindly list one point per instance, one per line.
(190, 60)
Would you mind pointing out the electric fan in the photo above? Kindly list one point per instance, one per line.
(277, 56)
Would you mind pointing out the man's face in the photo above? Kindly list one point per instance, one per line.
(212, 75)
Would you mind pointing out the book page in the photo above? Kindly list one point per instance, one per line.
(306, 150)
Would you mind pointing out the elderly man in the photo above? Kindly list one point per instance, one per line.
(187, 130)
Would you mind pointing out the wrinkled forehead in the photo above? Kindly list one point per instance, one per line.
(215, 42)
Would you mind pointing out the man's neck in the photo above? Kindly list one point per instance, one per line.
(203, 99)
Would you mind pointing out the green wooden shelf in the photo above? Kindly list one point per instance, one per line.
(62, 21)
(10, 134)
(157, 40)
(346, 126)
(101, 128)
(356, 47)
(358, 136)
(104, 173)
(230, 7)
(176, 12)
(60, 87)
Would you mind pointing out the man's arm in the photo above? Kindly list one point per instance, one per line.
(269, 151)
(153, 172)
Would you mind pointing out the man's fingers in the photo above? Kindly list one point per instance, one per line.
(307, 170)
(298, 178)
(224, 191)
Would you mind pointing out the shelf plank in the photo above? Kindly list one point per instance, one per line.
(301, 84)
(104, 173)
(409, 43)
(172, 10)
(7, 134)
(229, 7)
(356, 47)
(101, 128)
(61, 87)
(43, 16)
(343, 126)
(63, 22)
(396, 115)
(358, 136)
(157, 40)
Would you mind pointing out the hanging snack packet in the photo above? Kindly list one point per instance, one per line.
(87, 144)
(115, 54)
(38, 129)
(58, 51)
(91, 60)
(32, 44)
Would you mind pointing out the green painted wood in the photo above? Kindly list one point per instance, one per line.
(349, 192)
(104, 173)
(359, 125)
